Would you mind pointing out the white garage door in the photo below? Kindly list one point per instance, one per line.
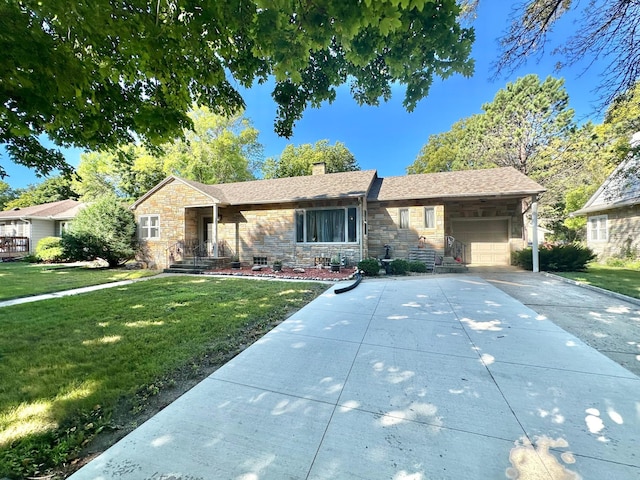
(487, 241)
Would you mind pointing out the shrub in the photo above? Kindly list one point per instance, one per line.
(556, 258)
(105, 229)
(399, 266)
(370, 267)
(416, 266)
(49, 249)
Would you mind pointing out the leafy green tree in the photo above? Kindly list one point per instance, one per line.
(460, 148)
(523, 119)
(106, 74)
(7, 194)
(53, 189)
(605, 29)
(298, 161)
(103, 230)
(219, 149)
(128, 172)
(513, 130)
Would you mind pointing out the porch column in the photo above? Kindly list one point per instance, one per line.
(534, 234)
(215, 230)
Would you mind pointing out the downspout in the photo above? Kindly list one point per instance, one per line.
(215, 230)
(534, 234)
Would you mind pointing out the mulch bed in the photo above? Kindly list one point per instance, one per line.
(319, 274)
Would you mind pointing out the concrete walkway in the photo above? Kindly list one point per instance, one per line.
(443, 377)
(74, 291)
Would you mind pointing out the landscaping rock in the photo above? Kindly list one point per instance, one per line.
(256, 268)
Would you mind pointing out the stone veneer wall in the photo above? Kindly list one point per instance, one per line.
(269, 231)
(384, 228)
(623, 227)
(384, 223)
(169, 203)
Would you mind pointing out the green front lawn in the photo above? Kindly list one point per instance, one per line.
(67, 363)
(616, 279)
(19, 279)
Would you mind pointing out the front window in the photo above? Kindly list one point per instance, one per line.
(332, 225)
(149, 226)
(598, 228)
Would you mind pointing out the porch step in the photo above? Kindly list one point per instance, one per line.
(189, 265)
(449, 265)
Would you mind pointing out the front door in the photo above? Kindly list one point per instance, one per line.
(207, 234)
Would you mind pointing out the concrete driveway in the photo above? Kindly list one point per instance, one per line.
(441, 377)
(608, 323)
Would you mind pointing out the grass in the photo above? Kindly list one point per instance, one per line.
(68, 363)
(616, 279)
(20, 279)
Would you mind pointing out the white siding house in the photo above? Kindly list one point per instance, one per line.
(22, 228)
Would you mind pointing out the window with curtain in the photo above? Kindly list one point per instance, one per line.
(335, 225)
(403, 215)
(429, 217)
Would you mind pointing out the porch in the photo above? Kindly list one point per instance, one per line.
(14, 247)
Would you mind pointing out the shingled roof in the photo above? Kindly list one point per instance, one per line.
(493, 182)
(283, 190)
(62, 210)
(496, 182)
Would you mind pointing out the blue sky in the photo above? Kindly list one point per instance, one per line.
(387, 138)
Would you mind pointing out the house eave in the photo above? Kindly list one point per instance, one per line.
(605, 207)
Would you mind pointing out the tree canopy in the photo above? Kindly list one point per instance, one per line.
(606, 29)
(513, 130)
(530, 126)
(107, 74)
(219, 150)
(6, 194)
(296, 161)
(53, 189)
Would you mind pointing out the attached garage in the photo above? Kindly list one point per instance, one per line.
(486, 240)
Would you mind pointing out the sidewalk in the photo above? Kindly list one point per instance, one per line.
(75, 291)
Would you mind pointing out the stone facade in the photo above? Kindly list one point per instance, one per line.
(170, 203)
(384, 228)
(255, 232)
(384, 224)
(623, 234)
(264, 233)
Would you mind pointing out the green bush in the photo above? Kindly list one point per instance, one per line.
(556, 258)
(370, 267)
(418, 267)
(105, 229)
(399, 266)
(49, 249)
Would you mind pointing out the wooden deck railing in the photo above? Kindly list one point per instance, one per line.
(12, 246)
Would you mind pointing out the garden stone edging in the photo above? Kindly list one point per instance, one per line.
(617, 295)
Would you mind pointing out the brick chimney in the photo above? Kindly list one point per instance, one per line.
(319, 168)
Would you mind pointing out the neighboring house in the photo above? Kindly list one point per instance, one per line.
(613, 212)
(22, 228)
(306, 220)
